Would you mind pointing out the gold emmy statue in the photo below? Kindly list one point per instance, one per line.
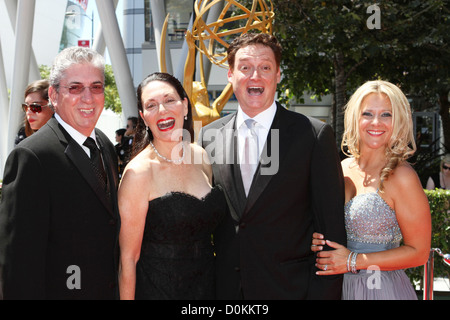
(212, 40)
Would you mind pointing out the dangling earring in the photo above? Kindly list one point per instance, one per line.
(185, 117)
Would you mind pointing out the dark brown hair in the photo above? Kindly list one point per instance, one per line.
(252, 38)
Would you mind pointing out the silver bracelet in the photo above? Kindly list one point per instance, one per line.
(348, 261)
(353, 263)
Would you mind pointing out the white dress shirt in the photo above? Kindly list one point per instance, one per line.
(263, 124)
(78, 137)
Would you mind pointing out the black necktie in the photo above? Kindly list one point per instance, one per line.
(96, 160)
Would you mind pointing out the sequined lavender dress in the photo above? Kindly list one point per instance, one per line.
(372, 227)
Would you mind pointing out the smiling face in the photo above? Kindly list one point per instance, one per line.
(35, 119)
(254, 78)
(163, 110)
(81, 111)
(375, 123)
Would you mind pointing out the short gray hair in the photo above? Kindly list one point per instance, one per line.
(71, 56)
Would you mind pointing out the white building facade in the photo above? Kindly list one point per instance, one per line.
(48, 26)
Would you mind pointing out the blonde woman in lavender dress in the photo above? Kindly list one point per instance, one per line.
(385, 202)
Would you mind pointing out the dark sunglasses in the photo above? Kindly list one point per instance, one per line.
(97, 88)
(444, 167)
(34, 107)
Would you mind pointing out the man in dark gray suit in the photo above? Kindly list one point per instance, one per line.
(59, 219)
(283, 180)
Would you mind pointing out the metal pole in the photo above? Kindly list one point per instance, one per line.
(428, 277)
(92, 30)
(11, 8)
(4, 114)
(100, 44)
(118, 56)
(24, 32)
(158, 16)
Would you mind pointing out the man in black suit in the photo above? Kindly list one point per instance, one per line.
(59, 218)
(293, 188)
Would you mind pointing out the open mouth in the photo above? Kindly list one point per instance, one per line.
(166, 124)
(255, 91)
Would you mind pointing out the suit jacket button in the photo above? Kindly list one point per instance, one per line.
(237, 269)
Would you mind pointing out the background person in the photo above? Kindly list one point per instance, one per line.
(131, 126)
(120, 149)
(129, 138)
(36, 108)
(441, 179)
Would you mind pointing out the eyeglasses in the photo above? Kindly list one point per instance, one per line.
(97, 88)
(34, 107)
(444, 167)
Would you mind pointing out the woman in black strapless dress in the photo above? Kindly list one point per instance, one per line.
(167, 204)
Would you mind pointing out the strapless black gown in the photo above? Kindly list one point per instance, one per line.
(177, 254)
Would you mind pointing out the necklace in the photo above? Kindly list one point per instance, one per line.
(178, 161)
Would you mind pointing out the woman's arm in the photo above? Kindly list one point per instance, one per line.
(207, 167)
(133, 207)
(413, 215)
(430, 184)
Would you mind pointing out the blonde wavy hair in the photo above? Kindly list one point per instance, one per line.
(401, 145)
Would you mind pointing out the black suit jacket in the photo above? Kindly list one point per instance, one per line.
(58, 226)
(263, 245)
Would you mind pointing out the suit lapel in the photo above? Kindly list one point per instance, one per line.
(228, 169)
(81, 161)
(108, 162)
(271, 157)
